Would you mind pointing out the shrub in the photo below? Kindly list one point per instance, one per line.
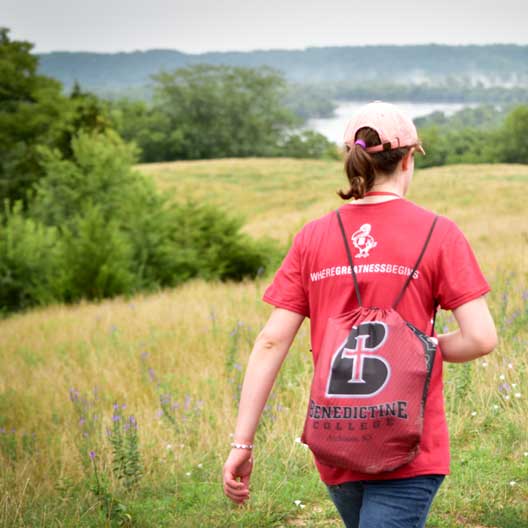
(29, 253)
(96, 259)
(96, 228)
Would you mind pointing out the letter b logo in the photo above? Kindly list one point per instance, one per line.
(355, 369)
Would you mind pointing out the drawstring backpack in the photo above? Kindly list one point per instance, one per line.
(370, 384)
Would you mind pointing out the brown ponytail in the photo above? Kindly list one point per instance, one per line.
(362, 167)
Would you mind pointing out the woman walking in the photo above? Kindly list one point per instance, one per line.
(382, 251)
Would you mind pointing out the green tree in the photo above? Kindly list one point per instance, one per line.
(146, 126)
(84, 111)
(309, 144)
(221, 111)
(31, 112)
(511, 139)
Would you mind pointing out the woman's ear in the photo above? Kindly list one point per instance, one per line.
(407, 160)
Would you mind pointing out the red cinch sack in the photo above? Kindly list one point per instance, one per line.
(369, 386)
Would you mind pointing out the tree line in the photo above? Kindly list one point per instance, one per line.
(498, 64)
(475, 135)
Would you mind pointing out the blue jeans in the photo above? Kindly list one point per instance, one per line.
(396, 503)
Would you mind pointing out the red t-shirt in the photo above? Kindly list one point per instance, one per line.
(385, 240)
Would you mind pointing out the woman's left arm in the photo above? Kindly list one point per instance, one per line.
(270, 350)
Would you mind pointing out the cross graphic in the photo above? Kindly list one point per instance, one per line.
(357, 355)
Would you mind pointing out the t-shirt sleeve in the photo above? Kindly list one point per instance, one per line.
(459, 277)
(287, 289)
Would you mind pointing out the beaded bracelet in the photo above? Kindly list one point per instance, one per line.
(241, 446)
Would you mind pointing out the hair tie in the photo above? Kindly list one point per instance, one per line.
(361, 143)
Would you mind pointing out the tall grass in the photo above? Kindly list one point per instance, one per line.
(164, 372)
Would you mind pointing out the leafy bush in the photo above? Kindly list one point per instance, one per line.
(213, 246)
(96, 258)
(97, 228)
(29, 254)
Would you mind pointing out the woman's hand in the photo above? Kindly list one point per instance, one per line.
(270, 349)
(239, 464)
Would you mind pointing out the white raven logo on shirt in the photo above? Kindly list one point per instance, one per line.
(363, 241)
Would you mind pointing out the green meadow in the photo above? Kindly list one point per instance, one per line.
(119, 413)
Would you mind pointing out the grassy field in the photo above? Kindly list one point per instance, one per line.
(120, 413)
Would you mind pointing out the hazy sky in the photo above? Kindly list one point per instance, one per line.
(202, 25)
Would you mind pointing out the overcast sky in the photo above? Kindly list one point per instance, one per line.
(196, 26)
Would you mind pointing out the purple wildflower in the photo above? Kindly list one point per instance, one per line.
(187, 402)
(238, 366)
(116, 418)
(504, 388)
(74, 395)
(92, 455)
(513, 316)
(116, 406)
(152, 375)
(82, 421)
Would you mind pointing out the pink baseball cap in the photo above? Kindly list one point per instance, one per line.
(394, 128)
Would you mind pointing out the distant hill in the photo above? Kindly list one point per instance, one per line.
(489, 65)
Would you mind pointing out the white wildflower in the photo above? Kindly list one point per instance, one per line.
(297, 502)
(169, 446)
(512, 483)
(188, 473)
(200, 466)
(517, 395)
(502, 377)
(495, 406)
(484, 363)
(302, 505)
(298, 439)
(510, 366)
(474, 413)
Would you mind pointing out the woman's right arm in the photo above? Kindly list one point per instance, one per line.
(476, 335)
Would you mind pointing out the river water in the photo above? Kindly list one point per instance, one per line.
(334, 127)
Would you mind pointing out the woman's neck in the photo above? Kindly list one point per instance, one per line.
(395, 186)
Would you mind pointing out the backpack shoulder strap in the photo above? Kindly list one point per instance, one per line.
(407, 282)
(349, 255)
